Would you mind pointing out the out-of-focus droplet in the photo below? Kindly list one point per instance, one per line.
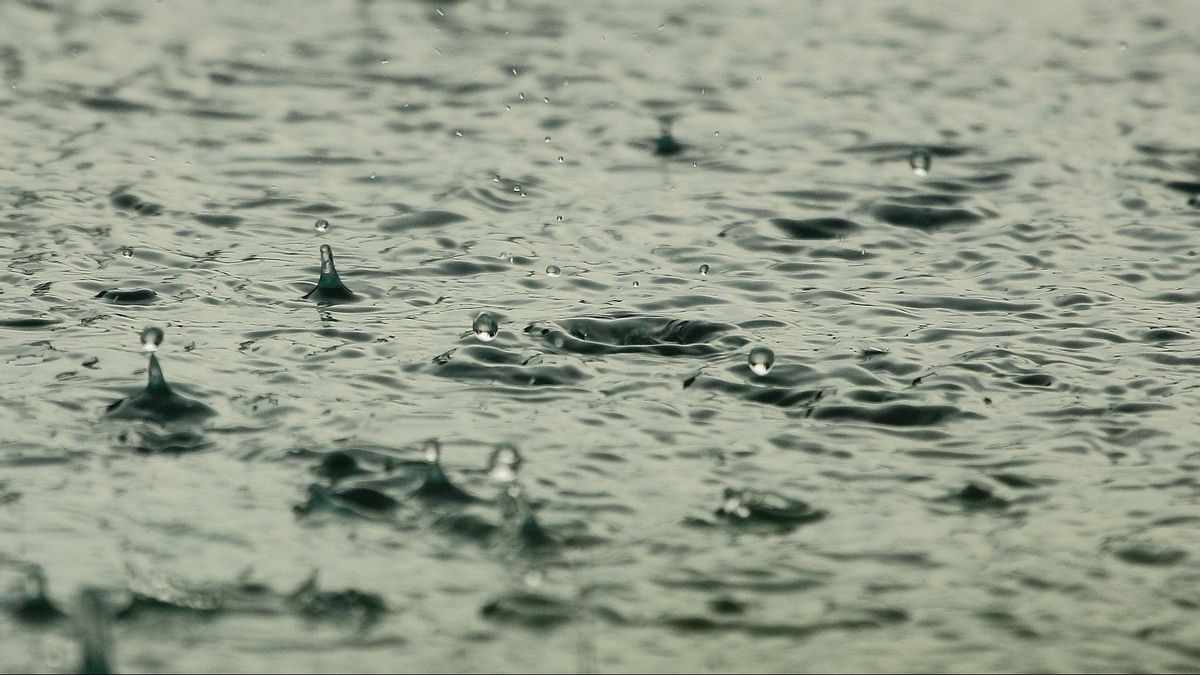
(1123, 46)
(126, 252)
(636, 284)
(545, 100)
(547, 139)
(704, 270)
(761, 360)
(458, 133)
(151, 337)
(485, 327)
(433, 451)
(560, 159)
(504, 464)
(920, 160)
(560, 218)
(322, 225)
(553, 271)
(521, 94)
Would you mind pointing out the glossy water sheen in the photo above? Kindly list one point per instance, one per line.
(977, 448)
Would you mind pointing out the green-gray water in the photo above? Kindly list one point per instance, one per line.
(976, 448)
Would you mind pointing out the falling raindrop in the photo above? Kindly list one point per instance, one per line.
(485, 327)
(322, 225)
(560, 159)
(761, 360)
(920, 160)
(704, 270)
(151, 337)
(126, 252)
(553, 271)
(547, 139)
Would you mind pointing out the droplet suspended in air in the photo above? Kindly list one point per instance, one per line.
(553, 271)
(547, 139)
(485, 327)
(433, 451)
(761, 360)
(920, 160)
(559, 219)
(504, 464)
(321, 225)
(704, 270)
(126, 252)
(152, 337)
(560, 159)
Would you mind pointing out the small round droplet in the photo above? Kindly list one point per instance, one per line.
(126, 252)
(704, 270)
(920, 160)
(433, 451)
(504, 464)
(636, 284)
(485, 327)
(553, 271)
(547, 139)
(152, 337)
(761, 359)
(322, 225)
(560, 159)
(559, 218)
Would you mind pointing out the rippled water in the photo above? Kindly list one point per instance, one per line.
(975, 450)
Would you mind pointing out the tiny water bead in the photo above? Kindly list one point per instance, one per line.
(485, 327)
(433, 451)
(126, 252)
(152, 337)
(920, 160)
(504, 464)
(322, 225)
(704, 270)
(761, 360)
(553, 271)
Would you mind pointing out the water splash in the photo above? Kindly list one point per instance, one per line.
(437, 486)
(329, 289)
(157, 402)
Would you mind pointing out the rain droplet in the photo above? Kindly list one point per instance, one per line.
(761, 359)
(547, 139)
(514, 71)
(433, 451)
(545, 100)
(636, 284)
(504, 464)
(560, 159)
(1123, 46)
(485, 327)
(716, 133)
(553, 271)
(322, 225)
(458, 133)
(560, 218)
(704, 270)
(521, 94)
(126, 251)
(152, 337)
(920, 160)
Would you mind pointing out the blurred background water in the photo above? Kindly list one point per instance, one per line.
(966, 234)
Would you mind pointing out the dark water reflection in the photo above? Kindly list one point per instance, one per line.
(975, 450)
